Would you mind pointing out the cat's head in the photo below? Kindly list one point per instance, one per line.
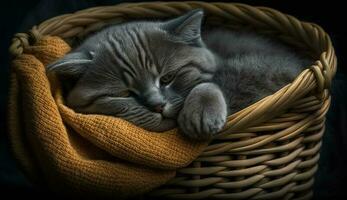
(138, 70)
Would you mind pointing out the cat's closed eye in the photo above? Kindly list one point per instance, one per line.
(167, 78)
(124, 93)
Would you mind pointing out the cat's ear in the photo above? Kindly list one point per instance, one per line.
(72, 65)
(187, 27)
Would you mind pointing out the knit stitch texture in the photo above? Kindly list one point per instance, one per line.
(89, 155)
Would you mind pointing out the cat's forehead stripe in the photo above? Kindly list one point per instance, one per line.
(120, 61)
(139, 49)
(128, 65)
(149, 56)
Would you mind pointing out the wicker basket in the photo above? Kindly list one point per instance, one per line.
(268, 150)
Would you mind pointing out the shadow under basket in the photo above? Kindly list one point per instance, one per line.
(270, 149)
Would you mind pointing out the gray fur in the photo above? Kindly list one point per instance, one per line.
(204, 111)
(156, 73)
(251, 66)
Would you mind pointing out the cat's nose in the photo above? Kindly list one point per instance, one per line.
(159, 108)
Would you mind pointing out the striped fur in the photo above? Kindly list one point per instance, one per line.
(155, 74)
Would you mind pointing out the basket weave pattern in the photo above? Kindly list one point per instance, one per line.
(268, 150)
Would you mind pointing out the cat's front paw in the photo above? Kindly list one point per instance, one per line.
(200, 124)
(203, 114)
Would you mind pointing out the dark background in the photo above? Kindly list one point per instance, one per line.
(21, 15)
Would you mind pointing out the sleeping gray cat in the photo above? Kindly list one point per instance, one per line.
(155, 74)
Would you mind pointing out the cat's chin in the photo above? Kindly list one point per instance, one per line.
(169, 112)
(168, 115)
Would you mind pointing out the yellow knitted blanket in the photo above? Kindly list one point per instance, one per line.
(83, 154)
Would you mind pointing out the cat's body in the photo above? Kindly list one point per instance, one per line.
(251, 66)
(155, 74)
